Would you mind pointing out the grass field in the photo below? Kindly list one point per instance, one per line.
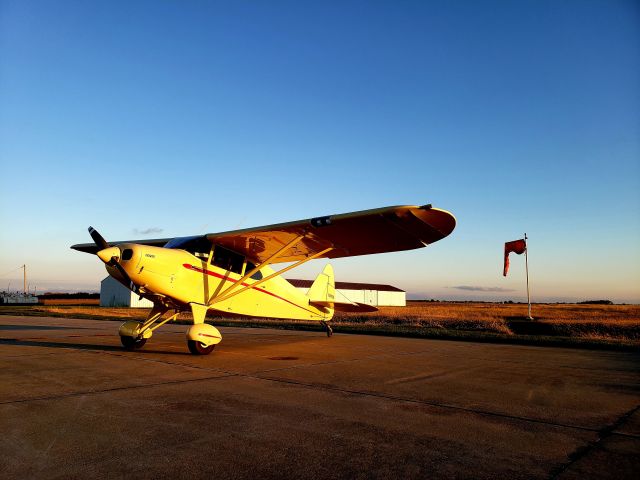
(618, 322)
(604, 323)
(71, 301)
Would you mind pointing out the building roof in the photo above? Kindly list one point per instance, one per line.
(347, 285)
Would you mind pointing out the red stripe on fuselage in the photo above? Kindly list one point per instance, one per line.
(193, 268)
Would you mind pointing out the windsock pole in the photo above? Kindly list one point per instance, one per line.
(526, 266)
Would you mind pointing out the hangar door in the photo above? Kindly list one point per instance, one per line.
(371, 297)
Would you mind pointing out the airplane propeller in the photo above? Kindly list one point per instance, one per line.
(98, 239)
(110, 256)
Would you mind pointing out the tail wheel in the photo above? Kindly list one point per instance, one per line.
(198, 348)
(328, 329)
(131, 343)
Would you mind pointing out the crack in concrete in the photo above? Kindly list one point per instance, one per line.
(438, 405)
(114, 389)
(584, 450)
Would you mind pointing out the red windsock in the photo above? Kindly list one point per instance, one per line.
(517, 246)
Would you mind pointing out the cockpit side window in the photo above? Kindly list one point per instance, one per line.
(227, 260)
(255, 276)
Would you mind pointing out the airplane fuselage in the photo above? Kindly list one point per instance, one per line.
(183, 279)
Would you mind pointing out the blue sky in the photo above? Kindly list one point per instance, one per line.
(194, 117)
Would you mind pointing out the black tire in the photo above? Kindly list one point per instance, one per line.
(328, 329)
(198, 348)
(131, 343)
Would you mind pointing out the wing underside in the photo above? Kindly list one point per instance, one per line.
(366, 232)
(360, 233)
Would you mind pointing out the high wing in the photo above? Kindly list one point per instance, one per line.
(380, 230)
(93, 248)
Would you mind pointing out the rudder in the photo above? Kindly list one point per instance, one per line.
(323, 289)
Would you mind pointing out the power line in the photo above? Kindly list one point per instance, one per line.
(11, 271)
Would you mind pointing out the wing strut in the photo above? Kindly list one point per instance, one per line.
(224, 296)
(272, 258)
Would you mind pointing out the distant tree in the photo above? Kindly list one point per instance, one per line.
(58, 296)
(596, 302)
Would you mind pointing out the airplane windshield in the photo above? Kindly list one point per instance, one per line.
(197, 245)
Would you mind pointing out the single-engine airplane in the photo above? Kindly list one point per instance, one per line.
(230, 272)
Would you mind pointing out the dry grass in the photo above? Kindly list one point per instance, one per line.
(81, 311)
(71, 301)
(593, 322)
(458, 316)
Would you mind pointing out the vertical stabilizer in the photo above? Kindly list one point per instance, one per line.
(323, 289)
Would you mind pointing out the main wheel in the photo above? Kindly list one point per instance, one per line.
(131, 343)
(198, 348)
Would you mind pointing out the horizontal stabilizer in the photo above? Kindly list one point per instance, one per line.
(352, 307)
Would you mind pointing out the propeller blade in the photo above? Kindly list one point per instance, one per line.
(114, 263)
(98, 239)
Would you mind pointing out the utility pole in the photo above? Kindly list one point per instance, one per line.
(526, 264)
(24, 288)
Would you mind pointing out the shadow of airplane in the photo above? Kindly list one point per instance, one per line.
(82, 346)
(39, 327)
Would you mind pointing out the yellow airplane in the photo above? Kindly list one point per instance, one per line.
(230, 272)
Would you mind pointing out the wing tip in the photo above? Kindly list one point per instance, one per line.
(443, 221)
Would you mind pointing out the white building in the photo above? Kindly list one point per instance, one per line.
(114, 294)
(367, 293)
(18, 298)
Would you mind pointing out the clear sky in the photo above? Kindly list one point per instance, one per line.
(181, 118)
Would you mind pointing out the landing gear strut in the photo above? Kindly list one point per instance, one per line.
(134, 335)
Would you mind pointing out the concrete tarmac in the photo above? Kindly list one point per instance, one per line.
(288, 404)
